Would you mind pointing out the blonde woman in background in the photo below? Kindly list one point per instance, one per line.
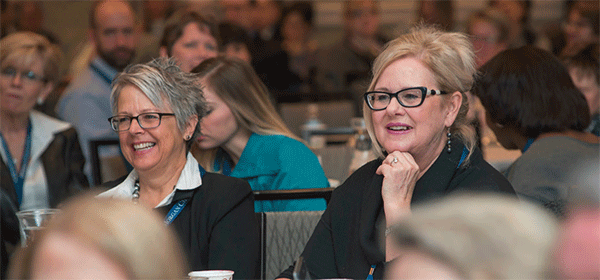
(99, 238)
(243, 136)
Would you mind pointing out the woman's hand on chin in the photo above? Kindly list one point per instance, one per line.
(400, 173)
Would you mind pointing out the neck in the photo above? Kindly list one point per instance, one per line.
(155, 186)
(13, 123)
(429, 157)
(236, 145)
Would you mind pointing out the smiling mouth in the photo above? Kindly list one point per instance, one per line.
(399, 128)
(143, 146)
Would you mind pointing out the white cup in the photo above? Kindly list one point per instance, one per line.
(211, 275)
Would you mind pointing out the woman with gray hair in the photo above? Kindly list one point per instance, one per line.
(415, 113)
(212, 214)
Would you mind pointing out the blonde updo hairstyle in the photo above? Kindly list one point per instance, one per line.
(449, 56)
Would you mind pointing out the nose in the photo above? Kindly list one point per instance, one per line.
(17, 80)
(135, 127)
(394, 107)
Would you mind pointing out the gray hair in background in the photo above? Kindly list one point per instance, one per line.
(167, 86)
(483, 236)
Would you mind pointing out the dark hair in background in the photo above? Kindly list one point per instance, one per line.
(231, 33)
(586, 61)
(526, 4)
(174, 29)
(590, 11)
(304, 8)
(529, 89)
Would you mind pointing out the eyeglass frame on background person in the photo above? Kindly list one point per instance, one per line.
(29, 76)
(116, 120)
(424, 91)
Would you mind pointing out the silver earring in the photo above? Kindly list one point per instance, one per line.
(449, 143)
(188, 137)
(40, 101)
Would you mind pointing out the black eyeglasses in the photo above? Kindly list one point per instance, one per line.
(145, 120)
(27, 76)
(408, 97)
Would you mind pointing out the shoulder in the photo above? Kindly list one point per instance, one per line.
(219, 186)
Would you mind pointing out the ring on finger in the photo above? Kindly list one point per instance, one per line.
(395, 160)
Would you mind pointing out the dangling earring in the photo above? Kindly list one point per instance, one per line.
(449, 143)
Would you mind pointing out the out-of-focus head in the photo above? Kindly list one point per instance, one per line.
(448, 58)
(114, 31)
(29, 66)
(167, 87)
(361, 18)
(190, 39)
(582, 24)
(475, 236)
(518, 11)
(583, 68)
(529, 90)
(489, 31)
(238, 12)
(438, 13)
(235, 41)
(266, 13)
(297, 21)
(30, 15)
(98, 238)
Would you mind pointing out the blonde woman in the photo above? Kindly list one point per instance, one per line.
(99, 238)
(243, 136)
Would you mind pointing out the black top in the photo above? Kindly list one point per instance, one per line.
(217, 227)
(349, 238)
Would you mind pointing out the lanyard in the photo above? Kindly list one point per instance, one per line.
(528, 144)
(175, 211)
(370, 276)
(104, 77)
(19, 177)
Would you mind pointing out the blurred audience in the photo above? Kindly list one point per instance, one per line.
(42, 162)
(518, 13)
(534, 106)
(438, 13)
(583, 68)
(190, 39)
(93, 238)
(156, 14)
(489, 31)
(474, 237)
(86, 101)
(244, 137)
(212, 214)
(235, 42)
(29, 16)
(581, 26)
(343, 70)
(266, 17)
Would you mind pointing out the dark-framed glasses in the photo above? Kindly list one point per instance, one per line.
(408, 97)
(26, 76)
(146, 121)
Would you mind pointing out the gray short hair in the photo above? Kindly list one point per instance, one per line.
(166, 85)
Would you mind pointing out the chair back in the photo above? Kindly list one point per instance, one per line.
(286, 235)
(109, 166)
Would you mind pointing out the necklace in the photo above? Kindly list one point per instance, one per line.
(135, 196)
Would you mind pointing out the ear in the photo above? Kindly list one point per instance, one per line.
(452, 108)
(163, 52)
(190, 126)
(46, 90)
(92, 36)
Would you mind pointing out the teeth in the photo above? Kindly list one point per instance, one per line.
(398, 128)
(143, 146)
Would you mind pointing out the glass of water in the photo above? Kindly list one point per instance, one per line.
(32, 221)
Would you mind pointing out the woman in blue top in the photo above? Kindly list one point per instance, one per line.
(243, 136)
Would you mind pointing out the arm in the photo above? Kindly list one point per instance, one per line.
(234, 239)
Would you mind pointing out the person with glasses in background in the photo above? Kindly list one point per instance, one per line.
(157, 108)
(415, 112)
(42, 162)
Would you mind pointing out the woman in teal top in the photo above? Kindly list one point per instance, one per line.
(243, 136)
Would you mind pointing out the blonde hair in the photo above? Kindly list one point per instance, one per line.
(25, 48)
(129, 234)
(236, 83)
(483, 236)
(449, 56)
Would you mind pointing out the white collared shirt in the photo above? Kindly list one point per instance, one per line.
(188, 180)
